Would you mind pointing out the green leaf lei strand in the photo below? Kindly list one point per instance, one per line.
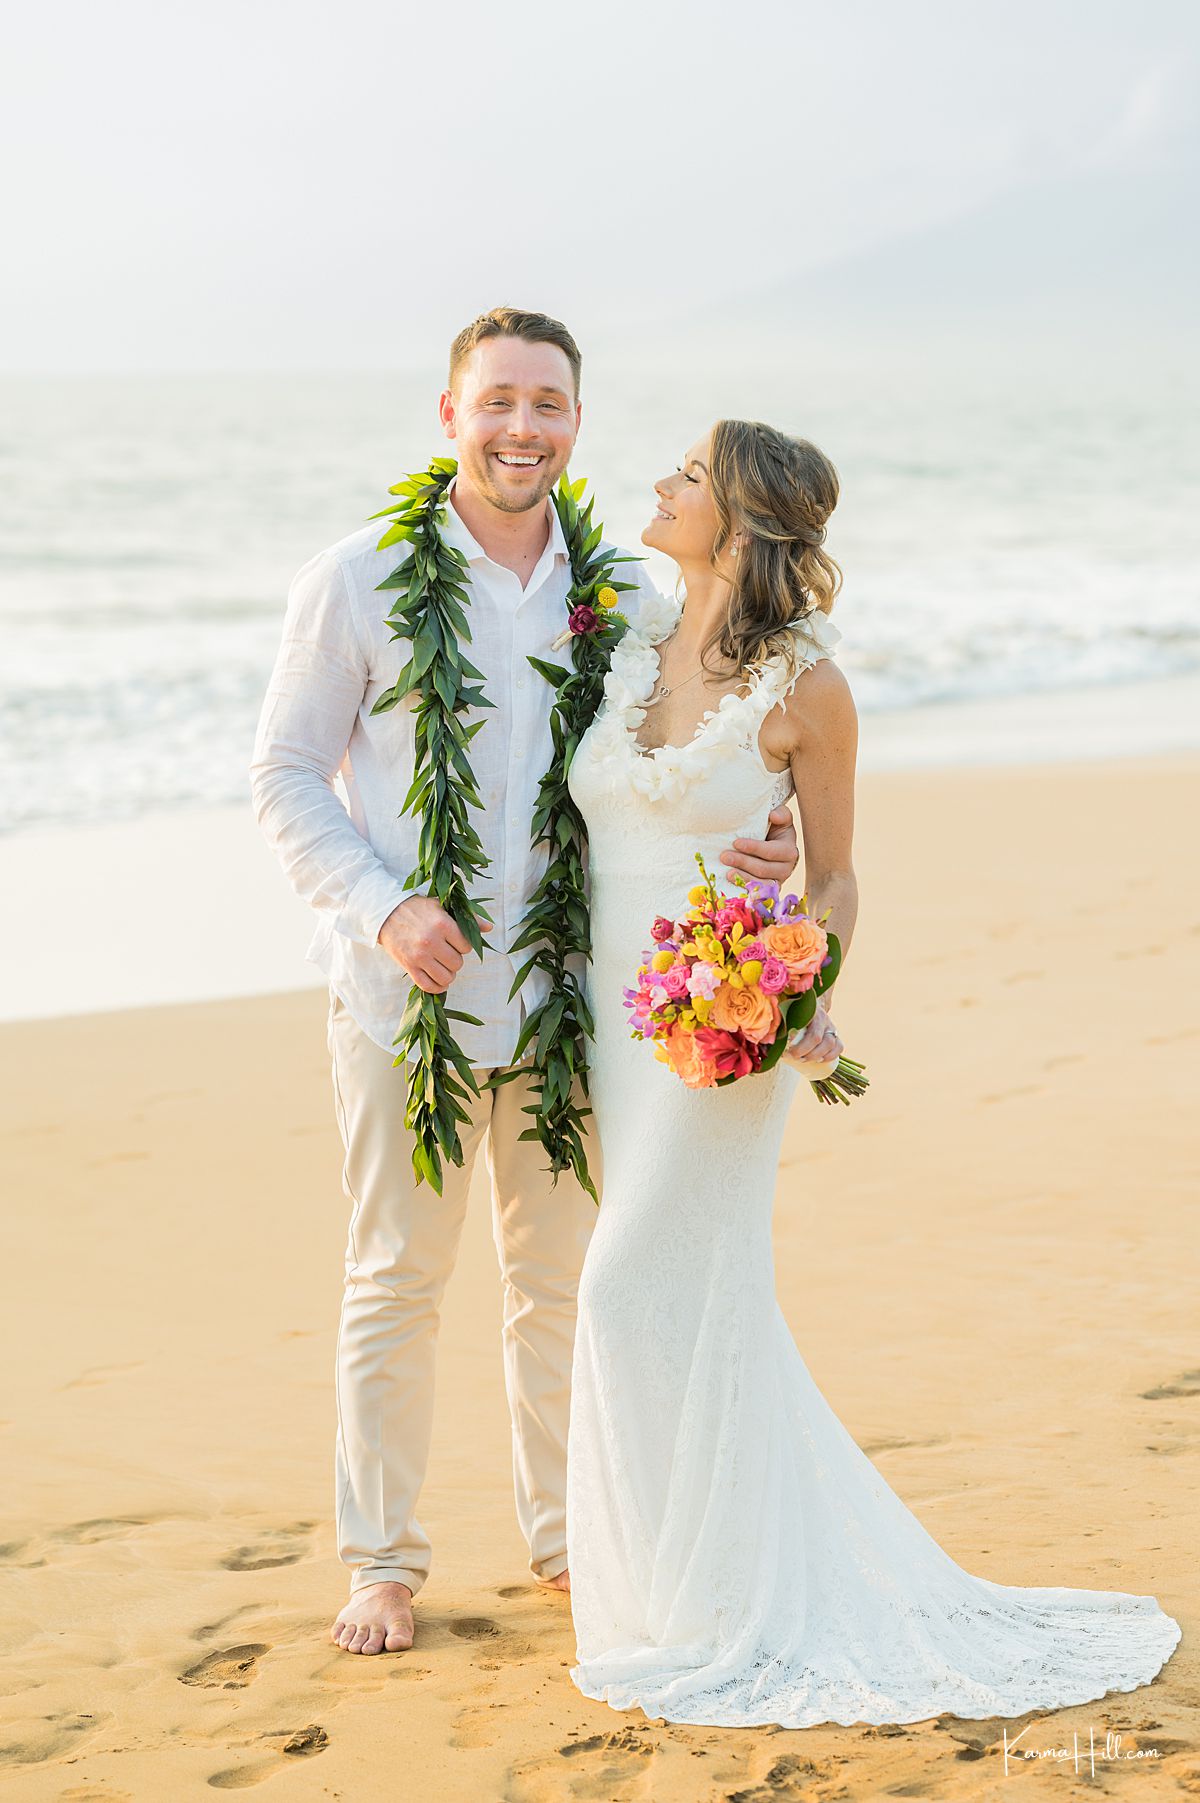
(430, 613)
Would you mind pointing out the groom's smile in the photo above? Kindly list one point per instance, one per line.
(520, 460)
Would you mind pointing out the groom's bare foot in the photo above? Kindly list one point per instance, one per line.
(561, 1582)
(377, 1619)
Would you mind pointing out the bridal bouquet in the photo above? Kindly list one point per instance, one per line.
(724, 987)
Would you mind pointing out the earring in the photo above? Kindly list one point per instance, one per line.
(733, 549)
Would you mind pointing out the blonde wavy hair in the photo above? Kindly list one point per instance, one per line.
(778, 493)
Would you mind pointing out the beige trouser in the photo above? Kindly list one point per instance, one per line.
(401, 1250)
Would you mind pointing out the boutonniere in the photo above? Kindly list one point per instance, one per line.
(586, 619)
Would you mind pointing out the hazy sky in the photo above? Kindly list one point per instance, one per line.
(317, 186)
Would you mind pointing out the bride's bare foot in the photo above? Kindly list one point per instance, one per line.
(561, 1582)
(377, 1619)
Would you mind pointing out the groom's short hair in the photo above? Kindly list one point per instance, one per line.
(511, 322)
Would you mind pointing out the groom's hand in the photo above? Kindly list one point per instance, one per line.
(425, 942)
(773, 859)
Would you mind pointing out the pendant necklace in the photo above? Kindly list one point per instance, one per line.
(663, 693)
(670, 688)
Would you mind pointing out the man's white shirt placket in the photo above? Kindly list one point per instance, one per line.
(350, 858)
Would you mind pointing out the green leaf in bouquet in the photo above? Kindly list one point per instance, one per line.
(828, 974)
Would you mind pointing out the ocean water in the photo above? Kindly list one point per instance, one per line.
(996, 538)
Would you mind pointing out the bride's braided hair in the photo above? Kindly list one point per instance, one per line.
(777, 492)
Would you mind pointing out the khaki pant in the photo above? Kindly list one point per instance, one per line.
(402, 1245)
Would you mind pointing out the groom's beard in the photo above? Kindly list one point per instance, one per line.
(526, 493)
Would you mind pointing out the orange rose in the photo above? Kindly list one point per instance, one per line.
(682, 1051)
(746, 1011)
(800, 944)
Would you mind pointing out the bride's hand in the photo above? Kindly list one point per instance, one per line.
(769, 860)
(816, 1050)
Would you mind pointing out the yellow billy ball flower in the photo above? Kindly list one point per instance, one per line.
(662, 960)
(752, 970)
(607, 597)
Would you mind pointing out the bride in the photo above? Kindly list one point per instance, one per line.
(735, 1558)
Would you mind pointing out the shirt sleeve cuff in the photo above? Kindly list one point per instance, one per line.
(370, 902)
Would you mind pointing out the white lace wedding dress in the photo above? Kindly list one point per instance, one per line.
(735, 1557)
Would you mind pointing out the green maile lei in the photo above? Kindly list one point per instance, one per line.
(431, 613)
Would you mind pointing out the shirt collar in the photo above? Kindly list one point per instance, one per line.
(455, 533)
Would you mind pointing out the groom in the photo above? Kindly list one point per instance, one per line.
(511, 406)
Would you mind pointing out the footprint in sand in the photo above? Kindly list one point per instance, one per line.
(212, 1628)
(491, 1638)
(11, 1552)
(1186, 1384)
(787, 1778)
(231, 1668)
(624, 1740)
(298, 1743)
(103, 1527)
(477, 1727)
(37, 1739)
(612, 1767)
(241, 1777)
(509, 1591)
(282, 1546)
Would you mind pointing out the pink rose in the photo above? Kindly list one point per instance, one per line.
(774, 977)
(675, 981)
(752, 948)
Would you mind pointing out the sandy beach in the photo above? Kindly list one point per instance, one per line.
(989, 1266)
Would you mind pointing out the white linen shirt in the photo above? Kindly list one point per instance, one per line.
(349, 854)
